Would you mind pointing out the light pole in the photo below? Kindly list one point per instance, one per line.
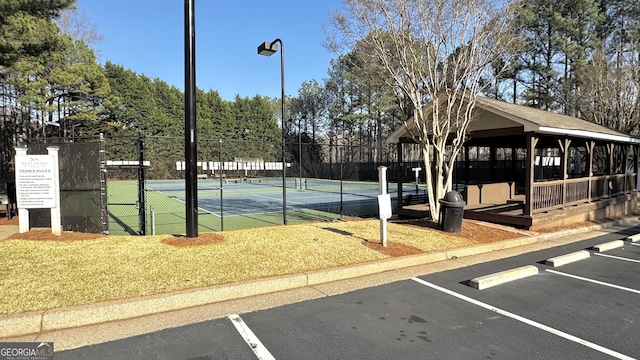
(300, 150)
(190, 143)
(268, 49)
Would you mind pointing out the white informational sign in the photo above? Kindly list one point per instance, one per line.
(35, 182)
(384, 204)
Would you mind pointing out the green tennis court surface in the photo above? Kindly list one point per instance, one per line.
(239, 203)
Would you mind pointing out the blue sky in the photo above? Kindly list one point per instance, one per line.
(147, 36)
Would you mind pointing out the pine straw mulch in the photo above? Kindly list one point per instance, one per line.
(202, 239)
(5, 221)
(478, 232)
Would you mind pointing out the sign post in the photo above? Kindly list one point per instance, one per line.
(37, 186)
(417, 173)
(384, 204)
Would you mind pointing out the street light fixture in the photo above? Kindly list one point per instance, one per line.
(268, 49)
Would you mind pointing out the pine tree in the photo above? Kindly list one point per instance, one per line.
(27, 30)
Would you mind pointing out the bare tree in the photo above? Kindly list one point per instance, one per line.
(610, 94)
(78, 26)
(437, 53)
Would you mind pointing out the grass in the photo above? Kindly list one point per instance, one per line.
(38, 275)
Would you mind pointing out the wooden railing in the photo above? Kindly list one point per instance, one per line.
(577, 191)
(549, 195)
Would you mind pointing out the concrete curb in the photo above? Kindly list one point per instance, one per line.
(633, 238)
(609, 246)
(568, 258)
(77, 316)
(487, 281)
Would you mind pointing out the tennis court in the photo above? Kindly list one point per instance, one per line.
(241, 203)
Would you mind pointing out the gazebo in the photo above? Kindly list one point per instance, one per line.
(532, 168)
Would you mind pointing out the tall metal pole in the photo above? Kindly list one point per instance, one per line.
(3, 147)
(191, 153)
(142, 198)
(221, 189)
(300, 150)
(284, 158)
(268, 49)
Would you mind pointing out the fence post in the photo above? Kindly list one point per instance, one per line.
(142, 202)
(152, 210)
(221, 183)
(103, 187)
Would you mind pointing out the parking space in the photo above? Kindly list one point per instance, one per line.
(594, 300)
(601, 318)
(588, 309)
(215, 339)
(404, 320)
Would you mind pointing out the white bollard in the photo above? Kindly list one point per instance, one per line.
(153, 219)
(384, 204)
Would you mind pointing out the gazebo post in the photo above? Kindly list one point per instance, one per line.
(466, 165)
(590, 145)
(492, 163)
(635, 166)
(532, 141)
(625, 150)
(399, 176)
(610, 149)
(514, 166)
(564, 147)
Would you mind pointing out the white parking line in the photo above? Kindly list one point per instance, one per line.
(618, 257)
(527, 321)
(250, 338)
(595, 281)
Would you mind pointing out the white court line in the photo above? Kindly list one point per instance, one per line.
(279, 197)
(634, 244)
(595, 281)
(199, 208)
(250, 338)
(618, 257)
(527, 321)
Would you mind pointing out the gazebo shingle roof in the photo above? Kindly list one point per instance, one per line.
(538, 121)
(542, 118)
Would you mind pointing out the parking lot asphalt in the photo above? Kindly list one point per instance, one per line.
(585, 309)
(85, 325)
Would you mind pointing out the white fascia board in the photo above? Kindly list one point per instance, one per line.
(589, 134)
(394, 138)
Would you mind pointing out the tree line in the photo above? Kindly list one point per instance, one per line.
(578, 57)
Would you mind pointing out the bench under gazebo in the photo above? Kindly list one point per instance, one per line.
(531, 168)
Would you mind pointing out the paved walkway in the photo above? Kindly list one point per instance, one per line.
(8, 230)
(79, 326)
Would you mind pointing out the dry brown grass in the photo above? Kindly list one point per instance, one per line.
(42, 271)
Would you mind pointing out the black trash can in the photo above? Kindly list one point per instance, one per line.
(451, 212)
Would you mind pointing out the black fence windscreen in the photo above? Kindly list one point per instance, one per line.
(80, 189)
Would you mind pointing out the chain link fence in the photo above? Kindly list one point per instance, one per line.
(240, 183)
(136, 185)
